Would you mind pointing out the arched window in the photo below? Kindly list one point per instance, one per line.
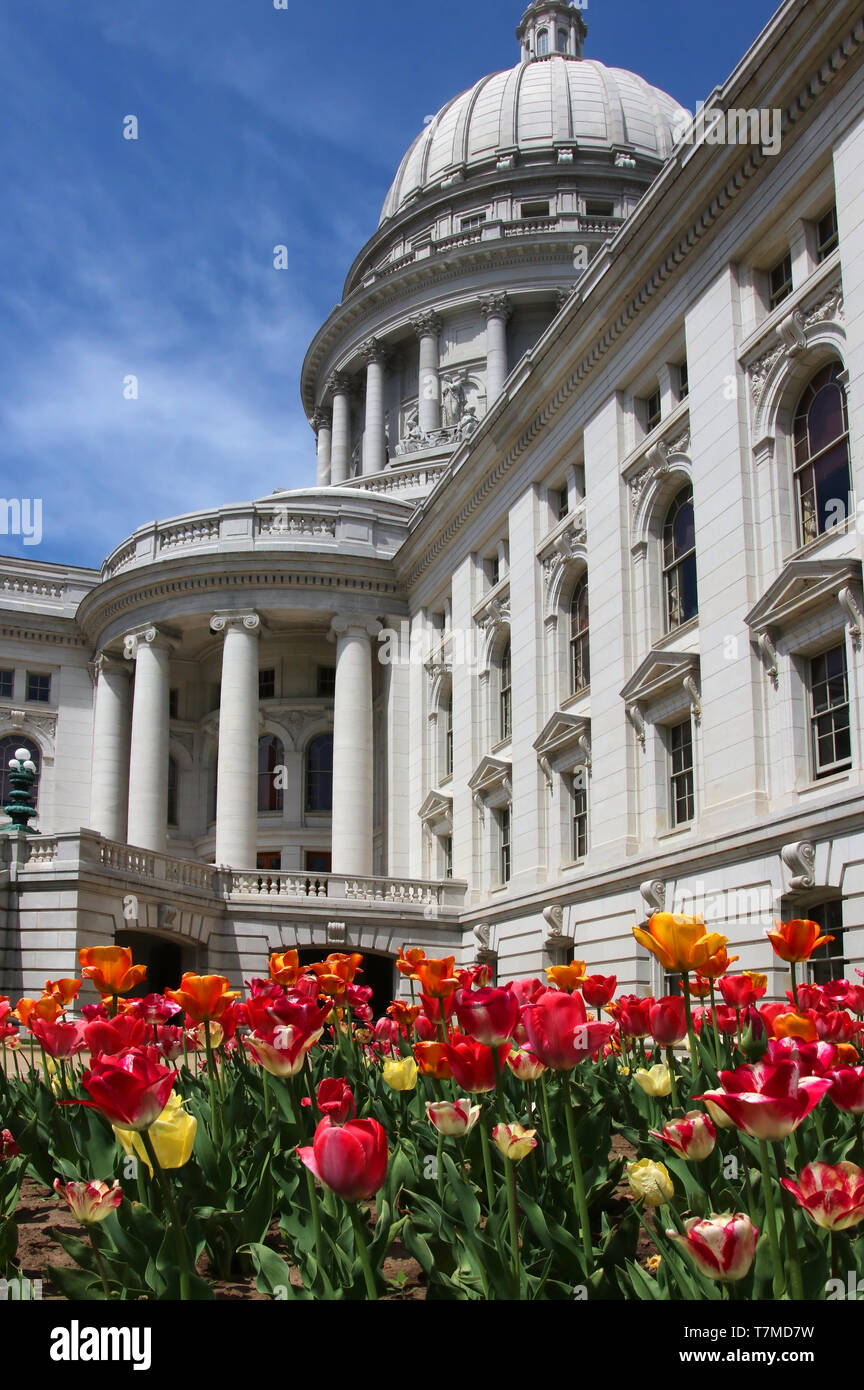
(822, 475)
(679, 560)
(271, 757)
(505, 695)
(563, 40)
(580, 662)
(542, 43)
(319, 774)
(173, 783)
(8, 748)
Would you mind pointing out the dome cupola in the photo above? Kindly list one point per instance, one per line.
(552, 27)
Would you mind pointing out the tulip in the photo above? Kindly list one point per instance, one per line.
(835, 1026)
(854, 999)
(285, 967)
(524, 1065)
(598, 990)
(350, 1159)
(47, 1008)
(739, 991)
(847, 1089)
(436, 1008)
(402, 1014)
(794, 1025)
(64, 991)
(110, 1036)
(172, 1134)
(131, 1091)
(453, 1118)
(203, 998)
(488, 1015)
(431, 1058)
(832, 1195)
(153, 1009)
(722, 1247)
(655, 1082)
(528, 991)
(768, 1101)
(514, 1141)
(477, 977)
(650, 1181)
(693, 1137)
(717, 964)
(700, 986)
(110, 969)
(401, 1075)
(169, 1042)
(437, 980)
(60, 1040)
(472, 1063)
(336, 1099)
(89, 1202)
(408, 961)
(558, 1031)
(425, 1028)
(633, 1015)
(283, 1053)
(567, 977)
(8, 1147)
(797, 940)
(681, 944)
(668, 1020)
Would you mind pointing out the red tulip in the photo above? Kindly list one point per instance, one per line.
(60, 1040)
(598, 990)
(667, 1020)
(769, 1100)
(153, 1008)
(811, 1059)
(487, 1015)
(131, 1091)
(110, 1036)
(633, 1015)
(8, 1147)
(739, 991)
(387, 1031)
(436, 1007)
(847, 1089)
(529, 991)
(722, 1247)
(836, 1026)
(693, 1137)
(831, 1194)
(425, 1028)
(336, 1099)
(472, 1064)
(169, 1041)
(559, 1034)
(350, 1159)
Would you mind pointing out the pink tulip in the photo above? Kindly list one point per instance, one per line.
(831, 1194)
(768, 1101)
(722, 1247)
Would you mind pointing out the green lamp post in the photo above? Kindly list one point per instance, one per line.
(20, 807)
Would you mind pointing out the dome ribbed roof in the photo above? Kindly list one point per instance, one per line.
(531, 108)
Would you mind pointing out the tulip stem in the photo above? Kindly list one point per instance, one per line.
(487, 1165)
(363, 1250)
(714, 1028)
(102, 1275)
(792, 973)
(695, 1064)
(771, 1220)
(792, 1252)
(499, 1089)
(513, 1209)
(673, 1080)
(211, 1082)
(316, 1216)
(173, 1216)
(547, 1120)
(580, 1199)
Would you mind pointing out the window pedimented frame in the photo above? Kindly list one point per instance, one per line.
(436, 814)
(491, 784)
(664, 685)
(564, 743)
(808, 601)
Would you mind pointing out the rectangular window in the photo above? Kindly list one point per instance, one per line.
(173, 703)
(474, 219)
(681, 773)
(7, 684)
(599, 208)
(683, 381)
(828, 962)
(827, 234)
(579, 847)
(829, 713)
(534, 210)
(780, 281)
(653, 412)
(494, 571)
(38, 687)
(447, 856)
(503, 817)
(448, 738)
(326, 682)
(173, 783)
(266, 684)
(269, 859)
(559, 501)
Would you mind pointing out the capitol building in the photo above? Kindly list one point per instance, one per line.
(567, 625)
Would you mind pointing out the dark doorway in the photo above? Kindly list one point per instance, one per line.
(376, 973)
(165, 961)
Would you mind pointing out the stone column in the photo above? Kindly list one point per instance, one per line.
(428, 327)
(150, 649)
(340, 450)
(353, 759)
(109, 764)
(497, 310)
(237, 778)
(322, 425)
(374, 443)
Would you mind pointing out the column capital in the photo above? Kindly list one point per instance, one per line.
(427, 325)
(496, 306)
(373, 350)
(156, 637)
(222, 620)
(108, 664)
(348, 622)
(321, 419)
(338, 384)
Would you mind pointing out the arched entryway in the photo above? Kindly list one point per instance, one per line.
(377, 973)
(165, 960)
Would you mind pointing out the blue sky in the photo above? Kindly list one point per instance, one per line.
(153, 258)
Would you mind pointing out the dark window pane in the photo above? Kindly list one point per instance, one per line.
(319, 774)
(271, 758)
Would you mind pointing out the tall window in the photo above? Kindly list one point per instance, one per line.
(503, 818)
(7, 684)
(319, 774)
(822, 475)
(563, 40)
(681, 773)
(679, 560)
(271, 756)
(542, 43)
(38, 687)
(447, 856)
(579, 845)
(447, 736)
(267, 684)
(829, 712)
(828, 962)
(505, 695)
(8, 748)
(580, 661)
(173, 784)
(653, 411)
(827, 234)
(780, 281)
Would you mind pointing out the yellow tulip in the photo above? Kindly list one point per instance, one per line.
(514, 1141)
(656, 1082)
(173, 1136)
(651, 1182)
(401, 1075)
(720, 1118)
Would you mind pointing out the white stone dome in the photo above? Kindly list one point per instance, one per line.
(530, 112)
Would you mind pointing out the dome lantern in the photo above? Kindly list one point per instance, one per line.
(551, 27)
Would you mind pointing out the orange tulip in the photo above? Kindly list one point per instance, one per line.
(203, 997)
(796, 940)
(47, 1008)
(567, 977)
(847, 1055)
(336, 973)
(679, 943)
(700, 987)
(285, 968)
(405, 1015)
(431, 1058)
(409, 960)
(436, 977)
(64, 991)
(110, 969)
(759, 982)
(717, 964)
(793, 1025)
